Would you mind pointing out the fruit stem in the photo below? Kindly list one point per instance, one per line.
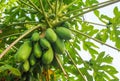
(94, 39)
(66, 76)
(18, 39)
(44, 13)
(75, 65)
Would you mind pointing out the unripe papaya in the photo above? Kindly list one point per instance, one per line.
(59, 46)
(63, 33)
(32, 60)
(24, 51)
(44, 43)
(47, 57)
(50, 35)
(37, 50)
(35, 36)
(26, 66)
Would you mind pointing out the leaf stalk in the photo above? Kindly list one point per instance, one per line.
(94, 39)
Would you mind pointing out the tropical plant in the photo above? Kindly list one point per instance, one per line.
(40, 40)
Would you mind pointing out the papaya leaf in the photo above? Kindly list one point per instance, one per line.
(13, 70)
(87, 74)
(97, 13)
(85, 46)
(104, 58)
(76, 46)
(90, 44)
(100, 76)
(116, 11)
(93, 52)
(109, 69)
(102, 68)
(105, 17)
(93, 32)
(114, 79)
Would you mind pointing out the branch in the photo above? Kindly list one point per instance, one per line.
(56, 8)
(92, 23)
(13, 48)
(11, 35)
(66, 76)
(75, 65)
(50, 5)
(77, 53)
(86, 7)
(35, 6)
(95, 23)
(45, 15)
(11, 45)
(19, 23)
(27, 22)
(92, 9)
(26, 3)
(67, 6)
(95, 39)
(60, 3)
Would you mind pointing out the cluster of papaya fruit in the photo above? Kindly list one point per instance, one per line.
(43, 49)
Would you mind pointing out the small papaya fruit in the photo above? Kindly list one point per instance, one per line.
(63, 33)
(35, 36)
(44, 43)
(26, 66)
(24, 51)
(59, 46)
(37, 51)
(47, 57)
(50, 35)
(32, 60)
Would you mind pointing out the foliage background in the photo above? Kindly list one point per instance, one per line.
(16, 20)
(112, 52)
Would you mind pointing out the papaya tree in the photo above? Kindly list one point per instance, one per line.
(41, 40)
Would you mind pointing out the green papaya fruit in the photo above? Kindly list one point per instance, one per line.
(24, 51)
(44, 43)
(59, 46)
(32, 60)
(63, 33)
(26, 66)
(35, 36)
(50, 35)
(37, 51)
(47, 57)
